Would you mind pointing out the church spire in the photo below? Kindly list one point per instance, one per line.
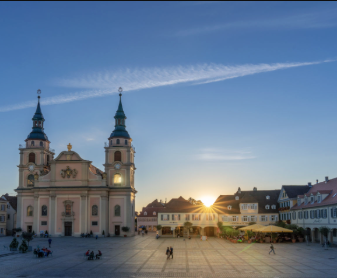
(120, 118)
(38, 121)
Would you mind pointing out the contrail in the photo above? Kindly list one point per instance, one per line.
(106, 83)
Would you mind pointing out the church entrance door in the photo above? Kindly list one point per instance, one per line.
(117, 230)
(68, 228)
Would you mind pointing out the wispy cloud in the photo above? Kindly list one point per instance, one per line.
(315, 20)
(223, 155)
(101, 84)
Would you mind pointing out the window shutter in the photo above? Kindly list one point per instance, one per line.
(276, 218)
(178, 216)
(332, 212)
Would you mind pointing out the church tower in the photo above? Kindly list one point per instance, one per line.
(119, 168)
(35, 156)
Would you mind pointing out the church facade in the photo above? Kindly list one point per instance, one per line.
(66, 195)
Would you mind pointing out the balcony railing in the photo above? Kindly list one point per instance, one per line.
(68, 215)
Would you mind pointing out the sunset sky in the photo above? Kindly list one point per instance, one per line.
(217, 94)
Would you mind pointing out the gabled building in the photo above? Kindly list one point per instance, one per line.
(248, 206)
(317, 208)
(3, 217)
(11, 212)
(288, 198)
(148, 217)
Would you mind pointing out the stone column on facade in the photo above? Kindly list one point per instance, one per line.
(52, 216)
(174, 232)
(21, 175)
(19, 217)
(330, 236)
(83, 212)
(313, 235)
(36, 214)
(104, 211)
(321, 238)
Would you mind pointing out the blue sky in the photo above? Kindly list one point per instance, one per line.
(217, 95)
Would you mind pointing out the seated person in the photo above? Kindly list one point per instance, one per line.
(87, 253)
(99, 254)
(40, 253)
(91, 256)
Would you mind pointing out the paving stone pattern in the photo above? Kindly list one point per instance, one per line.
(145, 257)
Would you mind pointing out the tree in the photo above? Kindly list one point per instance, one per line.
(220, 225)
(28, 237)
(125, 229)
(227, 231)
(300, 231)
(23, 247)
(14, 244)
(159, 227)
(280, 224)
(18, 230)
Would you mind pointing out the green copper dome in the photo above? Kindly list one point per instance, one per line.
(38, 120)
(120, 118)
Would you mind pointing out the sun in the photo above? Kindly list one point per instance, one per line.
(208, 200)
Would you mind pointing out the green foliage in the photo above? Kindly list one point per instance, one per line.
(220, 225)
(235, 232)
(251, 223)
(14, 243)
(125, 229)
(280, 224)
(188, 224)
(18, 229)
(28, 237)
(300, 231)
(249, 233)
(159, 227)
(324, 231)
(23, 247)
(292, 227)
(227, 231)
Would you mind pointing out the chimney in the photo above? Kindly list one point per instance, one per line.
(326, 179)
(309, 184)
(316, 181)
(254, 189)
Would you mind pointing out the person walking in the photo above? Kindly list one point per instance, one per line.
(272, 249)
(49, 241)
(96, 237)
(171, 252)
(168, 253)
(142, 232)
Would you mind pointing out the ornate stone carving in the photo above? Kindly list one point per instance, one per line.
(68, 173)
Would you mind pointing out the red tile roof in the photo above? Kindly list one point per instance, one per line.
(329, 187)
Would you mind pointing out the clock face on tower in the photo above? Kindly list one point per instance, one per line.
(31, 168)
(117, 166)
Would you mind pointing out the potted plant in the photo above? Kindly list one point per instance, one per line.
(28, 237)
(23, 247)
(250, 235)
(273, 238)
(125, 230)
(300, 232)
(14, 245)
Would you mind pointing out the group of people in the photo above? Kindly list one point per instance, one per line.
(169, 252)
(91, 255)
(44, 234)
(142, 231)
(44, 252)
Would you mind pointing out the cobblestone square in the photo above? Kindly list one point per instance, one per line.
(145, 257)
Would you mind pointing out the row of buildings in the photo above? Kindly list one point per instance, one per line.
(308, 206)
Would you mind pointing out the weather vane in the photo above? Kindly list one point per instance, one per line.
(39, 93)
(120, 90)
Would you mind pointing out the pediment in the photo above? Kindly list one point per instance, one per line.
(69, 156)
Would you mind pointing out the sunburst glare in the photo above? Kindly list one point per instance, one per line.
(208, 200)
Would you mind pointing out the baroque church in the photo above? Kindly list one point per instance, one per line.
(67, 195)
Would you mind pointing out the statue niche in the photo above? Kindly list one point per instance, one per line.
(68, 173)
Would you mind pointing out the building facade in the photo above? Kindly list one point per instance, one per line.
(288, 198)
(148, 217)
(66, 195)
(317, 208)
(11, 213)
(243, 207)
(3, 217)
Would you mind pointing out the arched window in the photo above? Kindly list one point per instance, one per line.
(117, 141)
(229, 207)
(117, 210)
(41, 144)
(267, 206)
(29, 211)
(32, 143)
(273, 207)
(30, 180)
(118, 156)
(35, 123)
(94, 210)
(267, 197)
(154, 213)
(68, 210)
(44, 210)
(126, 142)
(236, 197)
(31, 157)
(117, 179)
(145, 213)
